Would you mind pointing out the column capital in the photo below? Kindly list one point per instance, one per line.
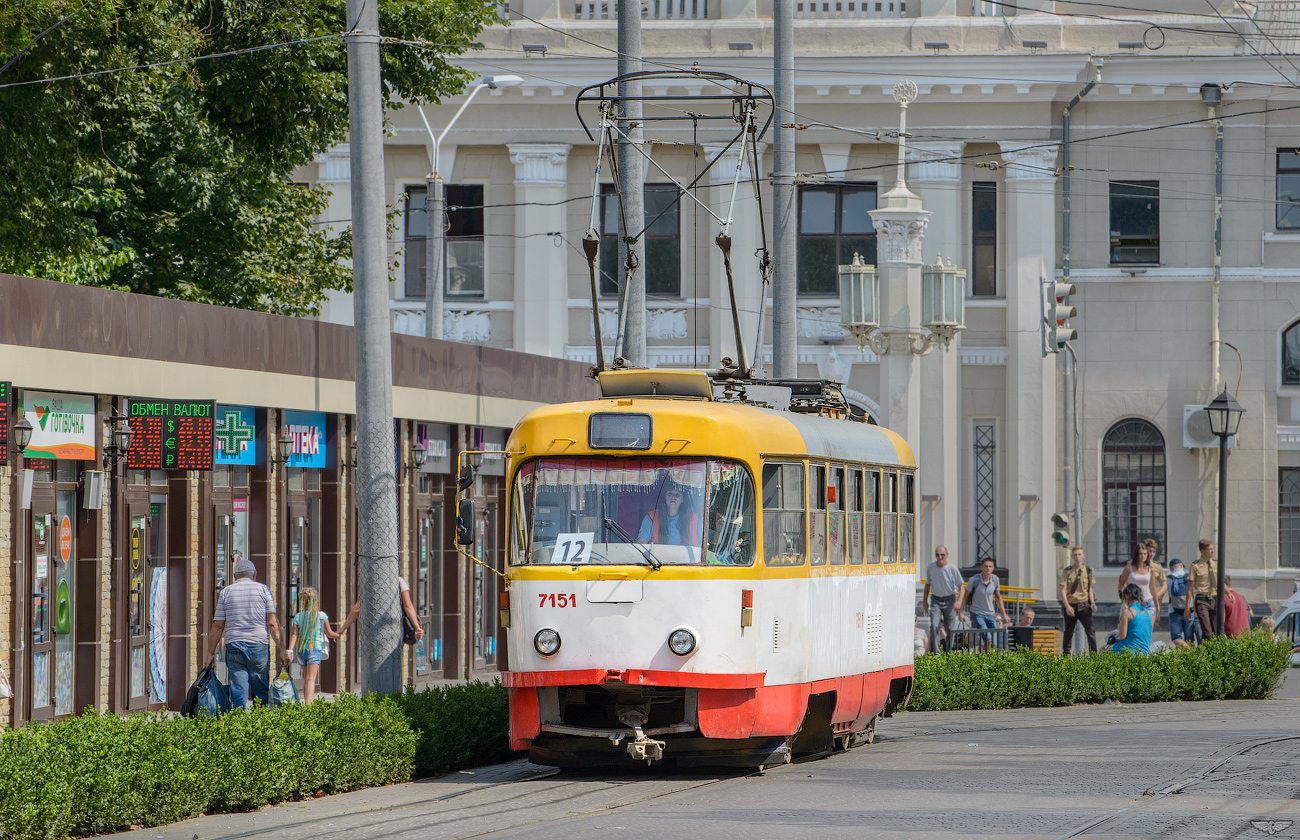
(724, 171)
(899, 234)
(540, 163)
(1029, 162)
(935, 160)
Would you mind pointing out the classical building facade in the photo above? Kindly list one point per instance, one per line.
(986, 159)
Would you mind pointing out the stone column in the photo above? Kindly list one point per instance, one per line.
(541, 269)
(1029, 489)
(900, 223)
(935, 174)
(746, 238)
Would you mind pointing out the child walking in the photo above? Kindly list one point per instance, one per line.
(307, 643)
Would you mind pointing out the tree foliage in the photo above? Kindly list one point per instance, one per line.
(174, 180)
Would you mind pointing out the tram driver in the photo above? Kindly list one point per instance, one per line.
(673, 521)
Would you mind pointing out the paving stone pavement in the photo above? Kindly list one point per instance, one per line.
(1184, 770)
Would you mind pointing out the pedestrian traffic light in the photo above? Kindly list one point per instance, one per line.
(1061, 315)
(1061, 534)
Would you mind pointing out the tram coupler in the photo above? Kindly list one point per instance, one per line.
(641, 748)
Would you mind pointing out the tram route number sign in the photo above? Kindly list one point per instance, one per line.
(573, 548)
(6, 397)
(170, 434)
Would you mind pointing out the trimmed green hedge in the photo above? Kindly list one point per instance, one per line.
(1243, 668)
(459, 726)
(101, 773)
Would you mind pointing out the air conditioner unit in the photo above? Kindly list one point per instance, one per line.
(1196, 430)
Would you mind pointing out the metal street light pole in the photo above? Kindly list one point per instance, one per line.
(435, 209)
(1225, 418)
(1223, 520)
(379, 667)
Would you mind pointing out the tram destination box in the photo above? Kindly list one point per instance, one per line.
(170, 434)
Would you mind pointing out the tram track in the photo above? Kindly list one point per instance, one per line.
(1154, 796)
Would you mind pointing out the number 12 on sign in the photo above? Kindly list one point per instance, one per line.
(573, 548)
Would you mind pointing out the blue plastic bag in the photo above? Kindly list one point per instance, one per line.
(213, 695)
(283, 690)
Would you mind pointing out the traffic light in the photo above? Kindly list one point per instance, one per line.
(1061, 315)
(1061, 534)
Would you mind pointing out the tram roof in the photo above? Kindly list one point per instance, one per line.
(685, 427)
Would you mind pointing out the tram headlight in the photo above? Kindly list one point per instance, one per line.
(547, 641)
(681, 641)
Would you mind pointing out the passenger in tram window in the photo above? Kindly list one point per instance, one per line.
(673, 521)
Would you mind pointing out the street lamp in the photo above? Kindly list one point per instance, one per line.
(284, 446)
(943, 302)
(22, 433)
(1225, 416)
(434, 208)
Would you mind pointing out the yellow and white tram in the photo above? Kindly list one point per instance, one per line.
(702, 581)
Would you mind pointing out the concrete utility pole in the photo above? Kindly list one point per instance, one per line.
(631, 183)
(381, 642)
(785, 309)
(433, 211)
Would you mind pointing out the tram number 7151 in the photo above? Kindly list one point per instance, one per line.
(561, 600)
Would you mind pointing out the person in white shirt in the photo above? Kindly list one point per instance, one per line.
(245, 616)
(943, 581)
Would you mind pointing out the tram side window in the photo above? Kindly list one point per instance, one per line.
(783, 514)
(853, 530)
(871, 539)
(889, 519)
(907, 520)
(817, 525)
(835, 504)
(524, 483)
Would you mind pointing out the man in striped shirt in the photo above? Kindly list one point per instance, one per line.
(245, 615)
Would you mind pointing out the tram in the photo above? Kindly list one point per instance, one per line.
(696, 578)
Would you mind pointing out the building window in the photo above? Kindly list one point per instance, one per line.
(1288, 189)
(465, 233)
(1288, 517)
(1291, 355)
(986, 497)
(984, 239)
(663, 241)
(464, 208)
(1134, 222)
(1133, 488)
(416, 241)
(833, 225)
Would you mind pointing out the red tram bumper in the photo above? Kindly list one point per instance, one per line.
(729, 706)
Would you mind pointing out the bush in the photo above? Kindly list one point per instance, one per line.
(101, 773)
(458, 725)
(1242, 668)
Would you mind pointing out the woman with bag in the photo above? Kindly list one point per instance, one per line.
(309, 635)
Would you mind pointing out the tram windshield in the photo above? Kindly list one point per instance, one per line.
(633, 511)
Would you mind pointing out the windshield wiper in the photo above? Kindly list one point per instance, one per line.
(645, 549)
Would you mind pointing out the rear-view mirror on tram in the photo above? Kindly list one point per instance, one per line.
(465, 479)
(465, 522)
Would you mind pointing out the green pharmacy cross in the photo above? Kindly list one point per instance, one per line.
(232, 434)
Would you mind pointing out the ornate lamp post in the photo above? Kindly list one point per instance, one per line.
(1225, 417)
(900, 223)
(943, 308)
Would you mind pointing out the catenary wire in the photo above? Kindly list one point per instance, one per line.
(32, 42)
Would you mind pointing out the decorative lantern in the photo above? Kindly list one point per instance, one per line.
(1225, 415)
(859, 296)
(943, 298)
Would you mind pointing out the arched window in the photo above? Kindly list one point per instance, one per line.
(1133, 488)
(1291, 355)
